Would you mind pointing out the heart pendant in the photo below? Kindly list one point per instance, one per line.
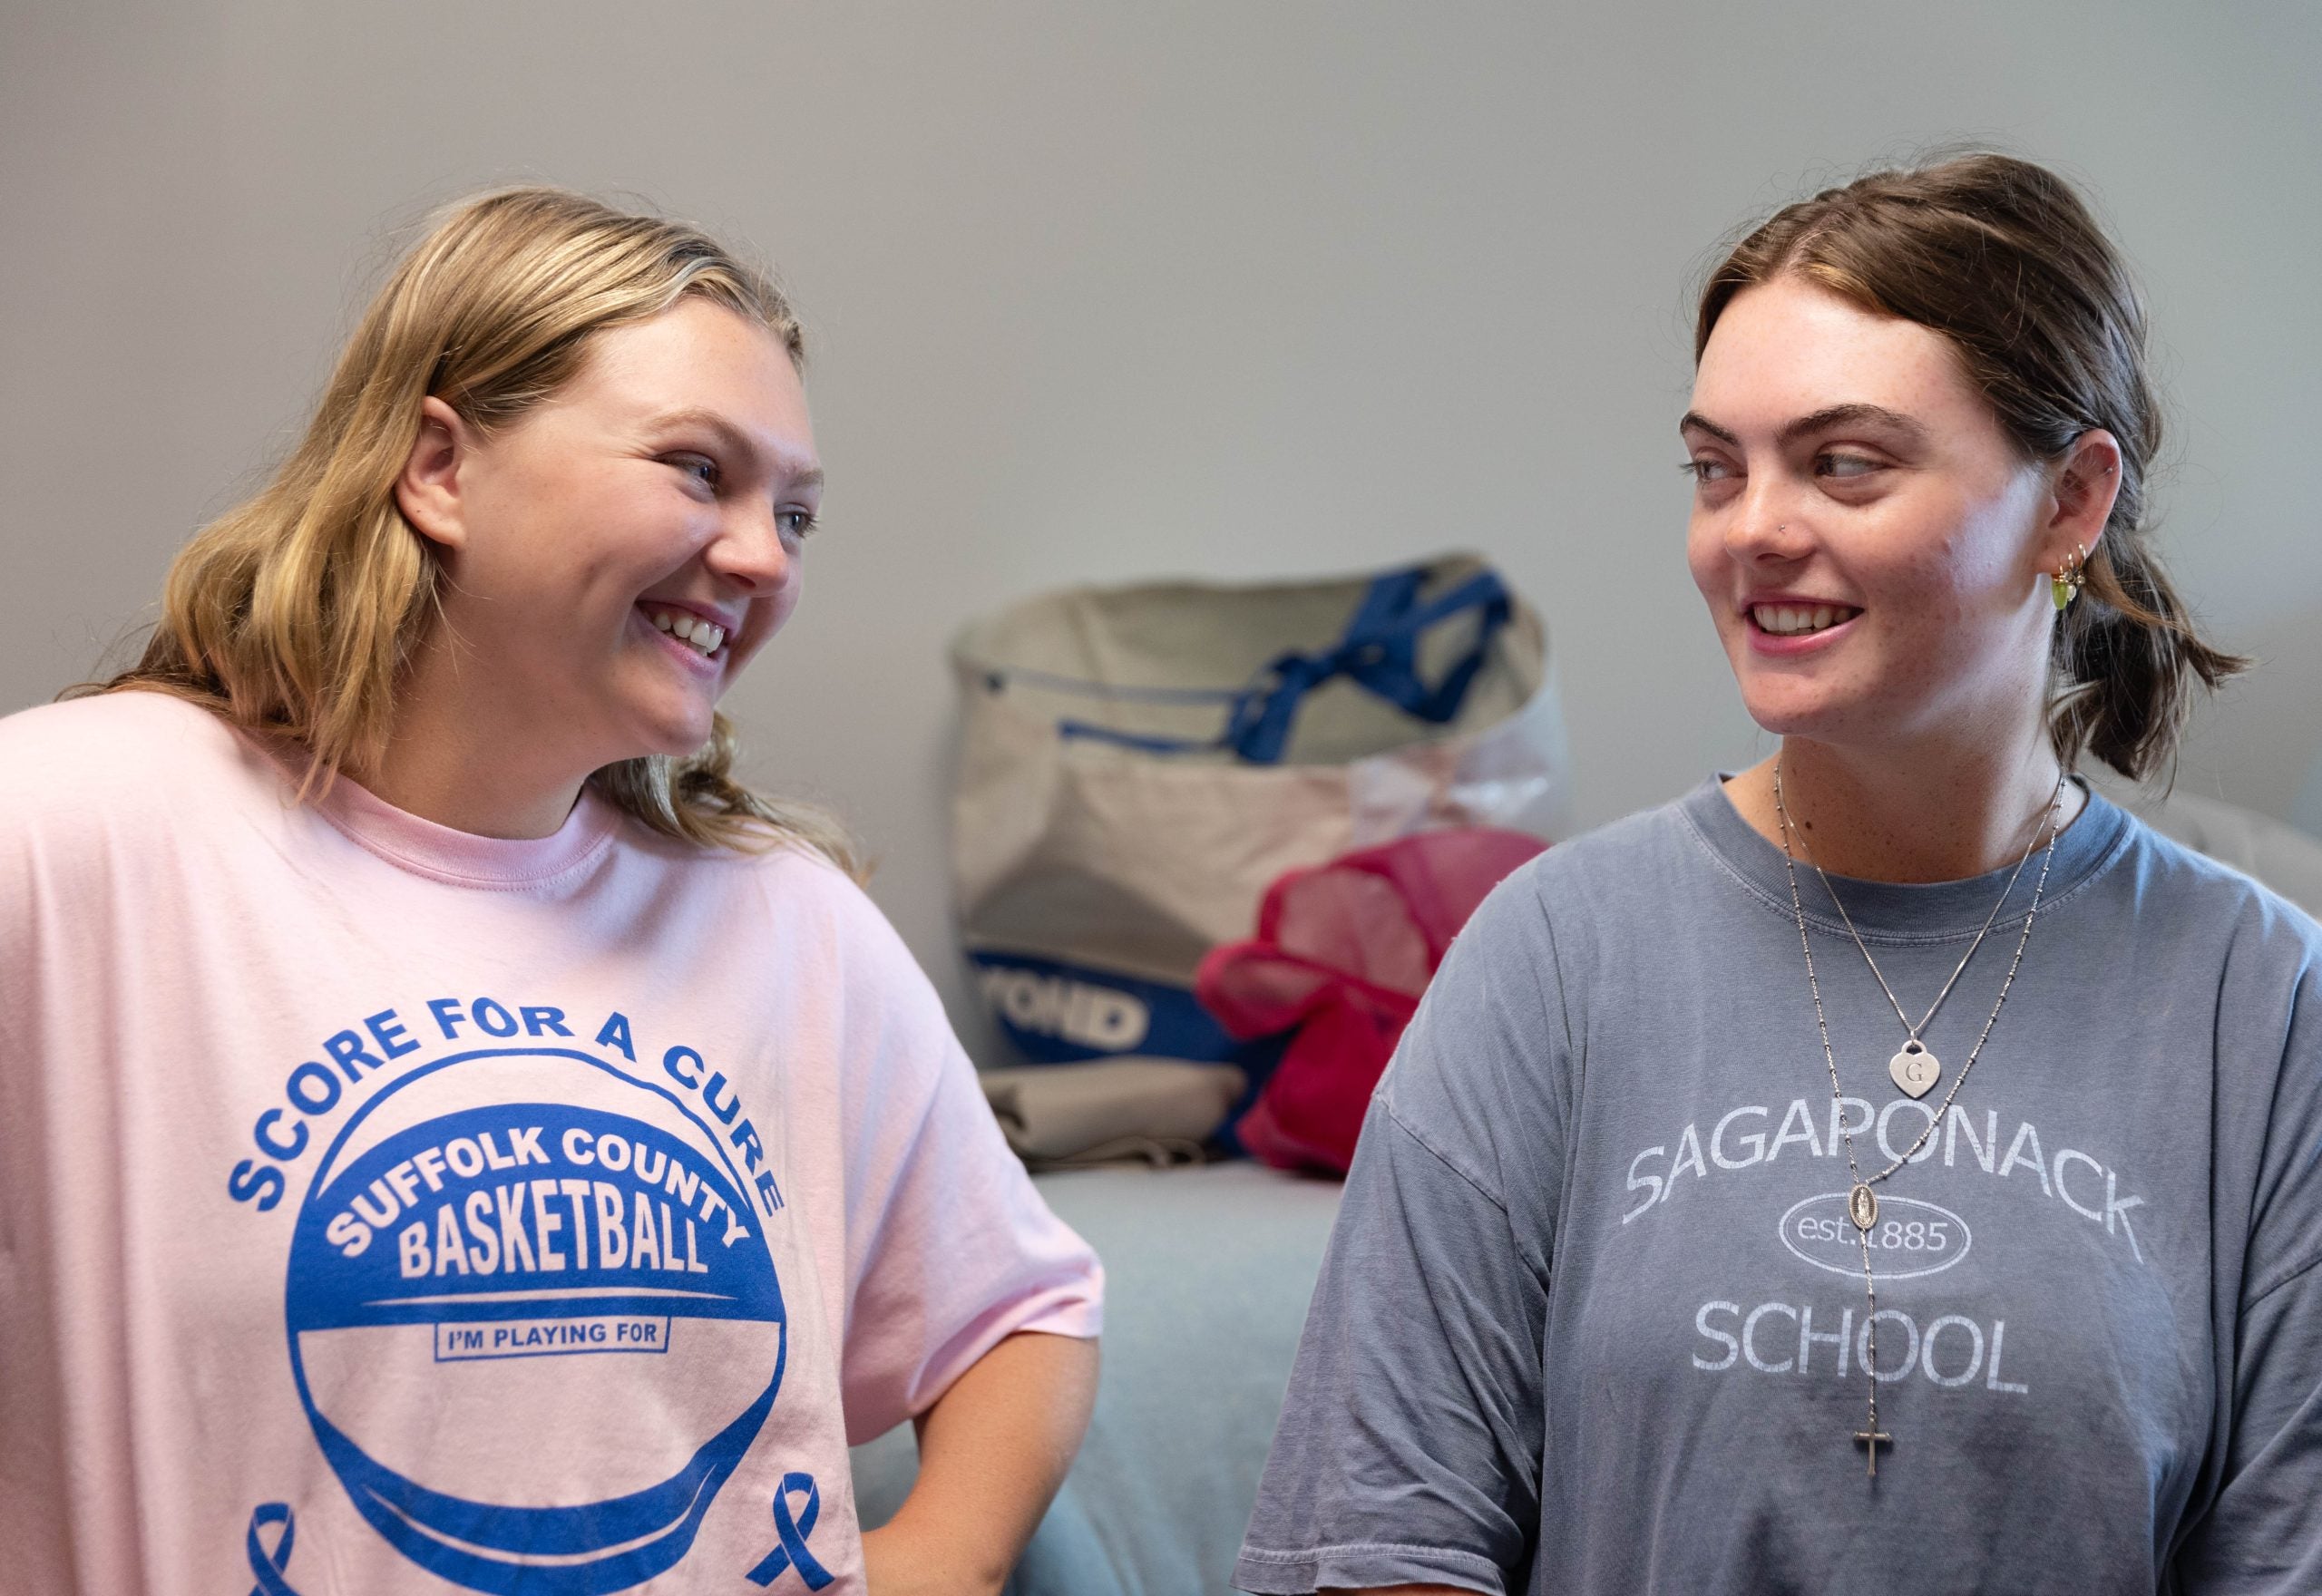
(1914, 1069)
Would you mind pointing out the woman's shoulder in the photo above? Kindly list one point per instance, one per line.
(93, 789)
(806, 897)
(1611, 860)
(2199, 884)
(125, 730)
(1615, 883)
(785, 865)
(800, 876)
(819, 932)
(98, 723)
(112, 755)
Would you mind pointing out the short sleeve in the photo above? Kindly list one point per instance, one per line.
(950, 1248)
(1410, 1447)
(2263, 1532)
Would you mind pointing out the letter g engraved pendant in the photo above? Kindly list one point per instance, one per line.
(1914, 1069)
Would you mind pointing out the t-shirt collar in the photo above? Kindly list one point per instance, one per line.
(1899, 912)
(463, 858)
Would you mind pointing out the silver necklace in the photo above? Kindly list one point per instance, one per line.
(1862, 1202)
(1915, 1067)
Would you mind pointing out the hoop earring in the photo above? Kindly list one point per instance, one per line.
(2065, 585)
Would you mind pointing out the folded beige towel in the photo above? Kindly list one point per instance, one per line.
(1149, 1110)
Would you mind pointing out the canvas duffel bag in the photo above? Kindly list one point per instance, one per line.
(1138, 763)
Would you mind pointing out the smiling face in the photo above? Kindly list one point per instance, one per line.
(1869, 541)
(614, 558)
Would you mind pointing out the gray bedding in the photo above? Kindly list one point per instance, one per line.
(1208, 1273)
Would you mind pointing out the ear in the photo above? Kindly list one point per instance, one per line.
(428, 488)
(2087, 483)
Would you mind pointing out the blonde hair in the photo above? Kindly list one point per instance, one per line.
(293, 615)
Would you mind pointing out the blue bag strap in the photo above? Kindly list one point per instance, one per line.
(1380, 651)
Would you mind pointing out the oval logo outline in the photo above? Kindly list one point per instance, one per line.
(1853, 1266)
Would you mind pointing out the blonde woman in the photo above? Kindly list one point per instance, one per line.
(453, 1136)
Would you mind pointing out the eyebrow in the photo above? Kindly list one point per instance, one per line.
(1820, 421)
(735, 438)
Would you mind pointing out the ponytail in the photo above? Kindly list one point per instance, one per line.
(2126, 662)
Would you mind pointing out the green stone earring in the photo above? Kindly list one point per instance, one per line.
(2065, 585)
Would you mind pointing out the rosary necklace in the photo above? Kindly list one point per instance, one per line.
(1862, 1202)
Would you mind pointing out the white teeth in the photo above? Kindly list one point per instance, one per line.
(705, 636)
(1790, 620)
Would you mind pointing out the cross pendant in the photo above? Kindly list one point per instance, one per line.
(1870, 1440)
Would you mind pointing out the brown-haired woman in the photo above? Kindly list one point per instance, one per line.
(1892, 1167)
(452, 1135)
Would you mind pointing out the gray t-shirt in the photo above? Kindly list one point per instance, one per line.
(1593, 1318)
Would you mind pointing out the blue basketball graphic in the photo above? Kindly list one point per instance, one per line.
(533, 1320)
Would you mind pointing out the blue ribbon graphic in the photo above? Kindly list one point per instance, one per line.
(793, 1552)
(266, 1566)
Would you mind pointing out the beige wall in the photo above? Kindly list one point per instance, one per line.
(1101, 291)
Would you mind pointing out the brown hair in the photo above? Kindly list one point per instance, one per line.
(2002, 257)
(292, 615)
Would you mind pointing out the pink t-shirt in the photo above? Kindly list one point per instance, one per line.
(388, 1209)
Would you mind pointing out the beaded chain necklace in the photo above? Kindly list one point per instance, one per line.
(1913, 1068)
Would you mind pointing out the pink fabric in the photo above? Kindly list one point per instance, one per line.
(692, 1081)
(1343, 953)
